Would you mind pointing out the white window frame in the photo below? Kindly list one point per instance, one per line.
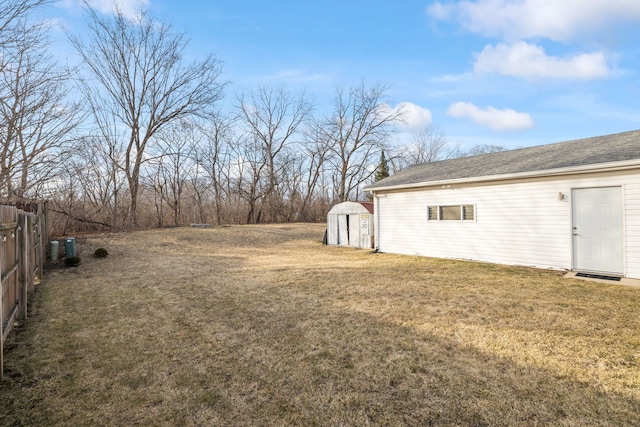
(438, 212)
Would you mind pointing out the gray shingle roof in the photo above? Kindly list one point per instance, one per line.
(581, 152)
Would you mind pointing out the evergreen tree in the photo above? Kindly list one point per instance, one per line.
(383, 168)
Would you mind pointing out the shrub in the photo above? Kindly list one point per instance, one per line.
(101, 253)
(72, 261)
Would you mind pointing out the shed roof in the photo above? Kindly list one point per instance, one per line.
(589, 151)
(368, 206)
(352, 208)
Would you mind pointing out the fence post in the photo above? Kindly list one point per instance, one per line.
(38, 249)
(31, 259)
(41, 249)
(7, 217)
(43, 213)
(24, 263)
(2, 213)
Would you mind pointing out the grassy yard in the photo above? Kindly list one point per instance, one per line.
(262, 325)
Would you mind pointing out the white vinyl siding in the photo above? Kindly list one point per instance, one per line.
(516, 222)
(631, 195)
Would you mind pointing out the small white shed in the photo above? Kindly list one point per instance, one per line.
(351, 224)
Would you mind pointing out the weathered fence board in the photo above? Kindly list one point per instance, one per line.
(23, 237)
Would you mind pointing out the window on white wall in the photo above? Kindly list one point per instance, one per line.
(432, 214)
(468, 213)
(451, 213)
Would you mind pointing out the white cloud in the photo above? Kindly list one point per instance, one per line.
(526, 60)
(559, 20)
(442, 12)
(129, 8)
(501, 120)
(414, 117)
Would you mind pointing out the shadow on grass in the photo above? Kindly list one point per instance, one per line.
(285, 359)
(345, 368)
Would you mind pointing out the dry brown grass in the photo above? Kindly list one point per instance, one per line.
(262, 325)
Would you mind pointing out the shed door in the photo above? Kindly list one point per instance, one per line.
(343, 230)
(365, 237)
(597, 230)
(354, 230)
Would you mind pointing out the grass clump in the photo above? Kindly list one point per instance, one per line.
(101, 253)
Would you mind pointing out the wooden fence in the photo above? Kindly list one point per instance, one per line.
(23, 240)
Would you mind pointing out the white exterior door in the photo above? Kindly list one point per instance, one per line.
(354, 230)
(365, 237)
(343, 230)
(597, 230)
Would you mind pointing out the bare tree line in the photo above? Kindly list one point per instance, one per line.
(136, 136)
(36, 116)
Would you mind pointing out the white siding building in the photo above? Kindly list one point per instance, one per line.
(566, 206)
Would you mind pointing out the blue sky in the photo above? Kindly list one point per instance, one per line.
(506, 72)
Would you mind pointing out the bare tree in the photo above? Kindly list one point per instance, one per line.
(273, 117)
(14, 18)
(176, 164)
(213, 156)
(476, 150)
(156, 179)
(427, 145)
(140, 84)
(314, 155)
(198, 187)
(101, 182)
(357, 131)
(36, 117)
(249, 166)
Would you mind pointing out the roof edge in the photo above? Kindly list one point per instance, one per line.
(598, 167)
